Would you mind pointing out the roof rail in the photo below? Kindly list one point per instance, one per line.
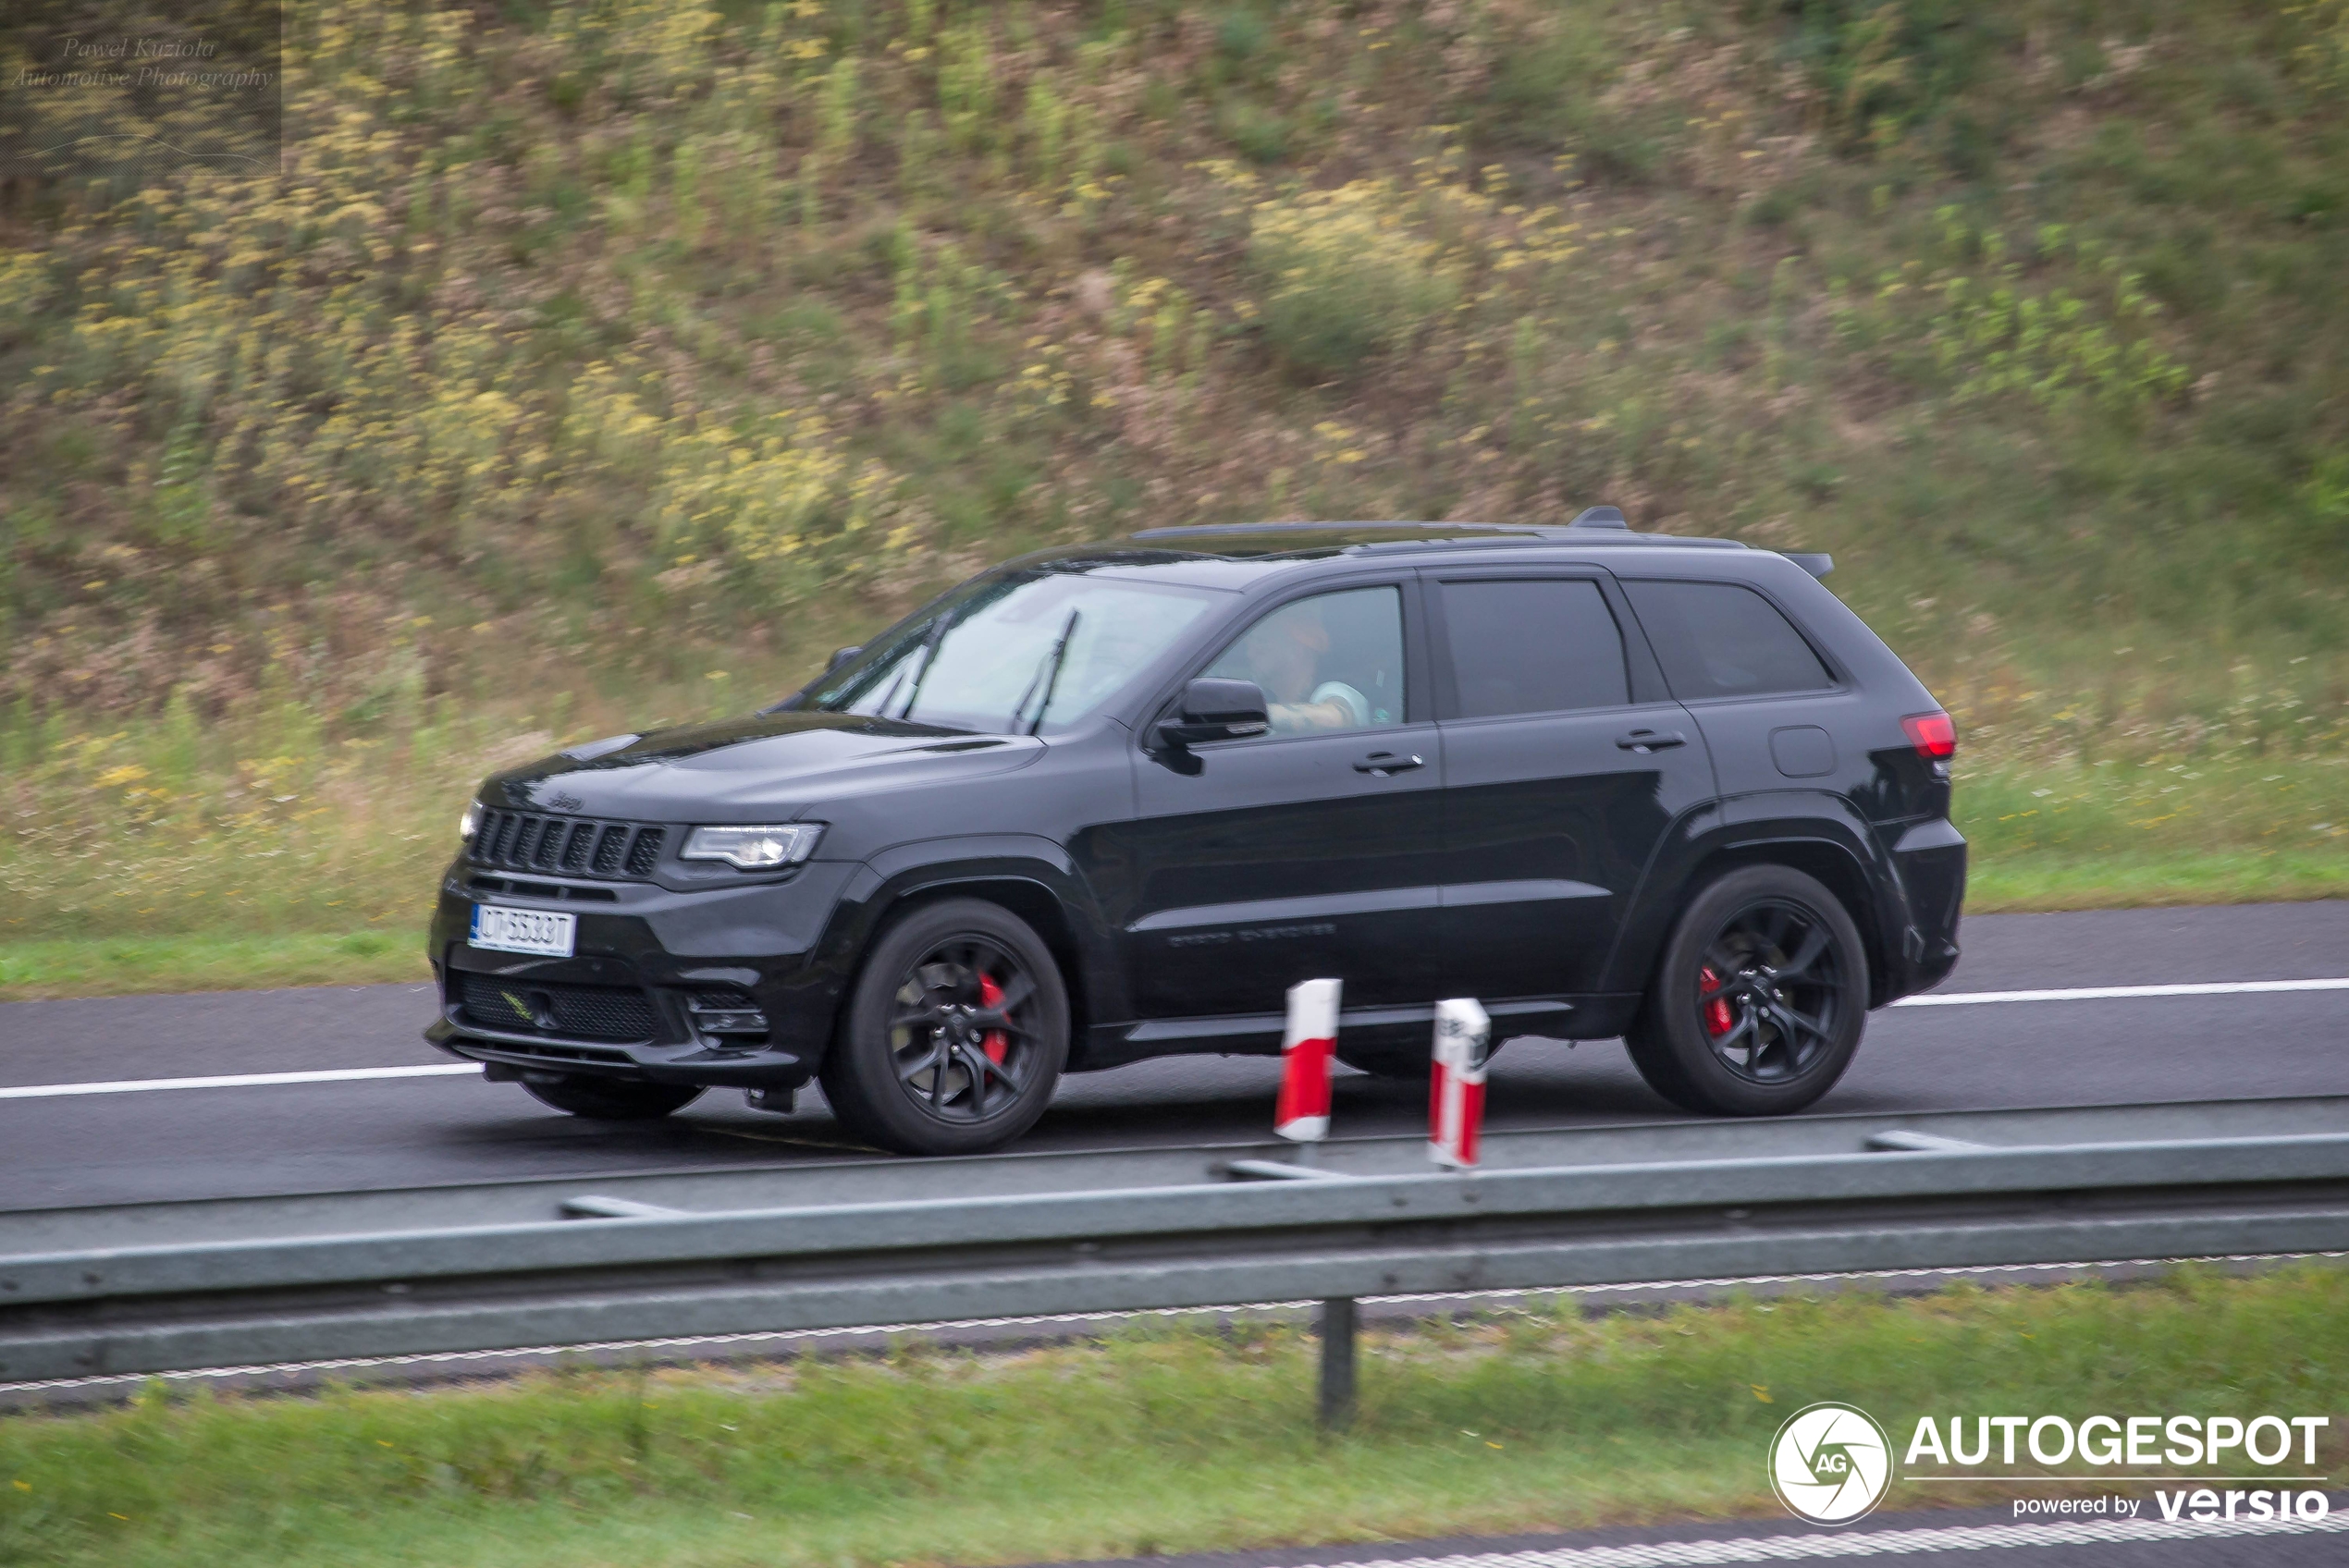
(1600, 517)
(1195, 529)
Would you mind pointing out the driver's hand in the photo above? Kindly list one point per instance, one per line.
(1290, 717)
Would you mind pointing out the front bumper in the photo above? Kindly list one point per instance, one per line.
(643, 956)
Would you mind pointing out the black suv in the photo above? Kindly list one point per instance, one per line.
(1107, 802)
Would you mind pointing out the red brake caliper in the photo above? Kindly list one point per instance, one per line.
(1717, 1020)
(995, 1042)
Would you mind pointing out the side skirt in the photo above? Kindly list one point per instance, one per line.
(1259, 1034)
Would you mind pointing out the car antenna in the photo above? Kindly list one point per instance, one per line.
(1600, 517)
(1051, 674)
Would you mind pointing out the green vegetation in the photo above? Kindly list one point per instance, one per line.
(596, 365)
(1172, 1441)
(324, 882)
(114, 966)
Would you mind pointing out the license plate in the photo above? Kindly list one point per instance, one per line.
(523, 930)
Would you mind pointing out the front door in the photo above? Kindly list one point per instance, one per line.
(1566, 764)
(1314, 851)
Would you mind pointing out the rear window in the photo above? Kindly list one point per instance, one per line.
(1539, 645)
(1724, 640)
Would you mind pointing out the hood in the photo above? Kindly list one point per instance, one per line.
(739, 769)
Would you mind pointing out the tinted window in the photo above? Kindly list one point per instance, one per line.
(1534, 647)
(1334, 661)
(1722, 640)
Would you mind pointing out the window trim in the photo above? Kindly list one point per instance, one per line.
(1838, 680)
(1644, 676)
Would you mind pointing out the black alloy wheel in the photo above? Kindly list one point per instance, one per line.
(611, 1099)
(954, 1035)
(964, 1035)
(1760, 998)
(1767, 994)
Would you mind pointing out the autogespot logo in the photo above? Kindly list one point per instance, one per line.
(1831, 1464)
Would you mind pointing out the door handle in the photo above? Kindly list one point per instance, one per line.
(1386, 763)
(1646, 740)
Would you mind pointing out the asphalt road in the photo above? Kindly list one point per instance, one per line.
(1984, 1536)
(110, 1148)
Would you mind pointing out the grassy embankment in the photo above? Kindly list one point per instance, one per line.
(612, 366)
(1171, 1443)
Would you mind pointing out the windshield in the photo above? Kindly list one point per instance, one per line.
(1015, 654)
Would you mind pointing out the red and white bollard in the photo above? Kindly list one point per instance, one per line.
(1303, 1113)
(1456, 1088)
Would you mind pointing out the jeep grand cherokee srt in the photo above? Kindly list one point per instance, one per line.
(1107, 802)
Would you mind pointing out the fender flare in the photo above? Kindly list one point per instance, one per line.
(1814, 831)
(1032, 877)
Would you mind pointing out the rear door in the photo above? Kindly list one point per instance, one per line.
(1565, 763)
(1774, 713)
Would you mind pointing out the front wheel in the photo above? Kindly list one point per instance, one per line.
(611, 1099)
(1759, 1000)
(954, 1035)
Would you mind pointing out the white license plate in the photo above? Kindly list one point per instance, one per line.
(523, 930)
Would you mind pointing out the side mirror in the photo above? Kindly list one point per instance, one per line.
(1216, 710)
(841, 657)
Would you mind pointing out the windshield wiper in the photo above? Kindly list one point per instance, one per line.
(930, 640)
(1050, 675)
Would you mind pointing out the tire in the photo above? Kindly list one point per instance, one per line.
(954, 1034)
(1758, 1003)
(612, 1099)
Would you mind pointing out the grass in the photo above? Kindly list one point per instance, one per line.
(118, 966)
(2069, 834)
(336, 893)
(1160, 1442)
(2024, 315)
(594, 365)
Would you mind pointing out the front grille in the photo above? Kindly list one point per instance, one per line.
(570, 846)
(644, 851)
(577, 1013)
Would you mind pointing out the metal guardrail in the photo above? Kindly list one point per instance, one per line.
(1924, 1193)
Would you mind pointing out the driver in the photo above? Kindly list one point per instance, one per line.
(1283, 653)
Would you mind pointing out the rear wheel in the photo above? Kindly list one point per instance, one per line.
(1759, 1000)
(612, 1099)
(954, 1035)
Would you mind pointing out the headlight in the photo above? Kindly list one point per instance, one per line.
(469, 824)
(753, 849)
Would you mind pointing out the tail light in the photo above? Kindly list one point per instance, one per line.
(1933, 734)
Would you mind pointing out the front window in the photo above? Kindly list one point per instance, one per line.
(1334, 661)
(1017, 653)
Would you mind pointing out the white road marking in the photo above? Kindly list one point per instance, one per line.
(361, 1074)
(238, 1081)
(2111, 993)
